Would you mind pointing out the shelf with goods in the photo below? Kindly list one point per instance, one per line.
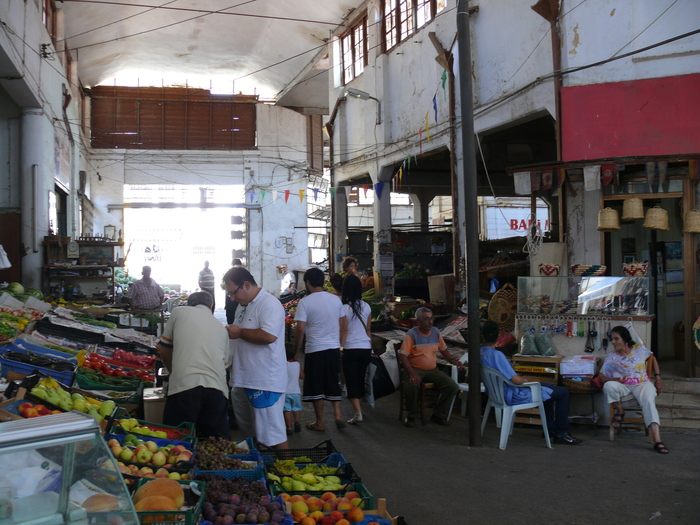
(82, 270)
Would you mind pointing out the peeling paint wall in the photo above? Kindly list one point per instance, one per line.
(596, 31)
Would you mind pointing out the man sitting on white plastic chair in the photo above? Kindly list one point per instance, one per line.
(556, 398)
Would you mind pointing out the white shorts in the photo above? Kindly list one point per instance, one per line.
(264, 424)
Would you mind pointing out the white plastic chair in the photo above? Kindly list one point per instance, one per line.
(464, 387)
(495, 385)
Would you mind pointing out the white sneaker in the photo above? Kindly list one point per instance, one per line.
(357, 418)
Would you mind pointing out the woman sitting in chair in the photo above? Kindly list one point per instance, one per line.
(624, 372)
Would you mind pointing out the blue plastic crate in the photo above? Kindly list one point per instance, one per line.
(45, 351)
(253, 474)
(65, 377)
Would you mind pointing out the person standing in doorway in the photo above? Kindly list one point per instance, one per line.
(320, 315)
(207, 281)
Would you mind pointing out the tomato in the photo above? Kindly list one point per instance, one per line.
(120, 373)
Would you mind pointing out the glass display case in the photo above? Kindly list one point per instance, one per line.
(592, 295)
(57, 469)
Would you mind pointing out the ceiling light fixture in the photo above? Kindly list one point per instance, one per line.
(363, 95)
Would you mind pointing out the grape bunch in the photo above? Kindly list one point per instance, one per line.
(206, 461)
(227, 491)
(220, 446)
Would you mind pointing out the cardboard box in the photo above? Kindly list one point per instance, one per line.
(578, 365)
(442, 288)
(130, 320)
(8, 416)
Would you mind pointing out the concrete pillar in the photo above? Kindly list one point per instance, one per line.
(381, 209)
(421, 207)
(34, 196)
(340, 207)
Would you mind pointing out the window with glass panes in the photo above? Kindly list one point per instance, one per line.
(354, 50)
(403, 17)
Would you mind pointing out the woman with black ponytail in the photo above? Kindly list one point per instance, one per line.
(356, 345)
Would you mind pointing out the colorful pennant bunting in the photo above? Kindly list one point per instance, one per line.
(286, 195)
(301, 195)
(315, 190)
(378, 187)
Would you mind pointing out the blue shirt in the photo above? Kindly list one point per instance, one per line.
(514, 395)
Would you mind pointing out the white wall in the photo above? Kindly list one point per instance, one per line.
(599, 30)
(36, 89)
(277, 164)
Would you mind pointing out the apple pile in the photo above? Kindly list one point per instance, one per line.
(149, 456)
(28, 410)
(309, 510)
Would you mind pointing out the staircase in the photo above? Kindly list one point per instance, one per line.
(679, 403)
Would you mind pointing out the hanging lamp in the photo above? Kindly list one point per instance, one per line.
(691, 222)
(608, 220)
(632, 209)
(656, 219)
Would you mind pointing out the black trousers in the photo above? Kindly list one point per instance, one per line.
(207, 408)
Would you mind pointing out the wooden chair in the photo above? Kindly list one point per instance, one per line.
(402, 395)
(633, 412)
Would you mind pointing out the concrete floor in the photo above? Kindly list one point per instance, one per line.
(429, 475)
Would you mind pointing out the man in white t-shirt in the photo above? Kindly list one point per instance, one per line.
(193, 348)
(288, 284)
(259, 372)
(320, 315)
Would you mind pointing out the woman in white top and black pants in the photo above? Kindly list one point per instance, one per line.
(356, 349)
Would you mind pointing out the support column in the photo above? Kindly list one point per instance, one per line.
(34, 196)
(421, 208)
(381, 209)
(340, 230)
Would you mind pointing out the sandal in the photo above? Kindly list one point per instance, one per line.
(312, 426)
(617, 419)
(661, 448)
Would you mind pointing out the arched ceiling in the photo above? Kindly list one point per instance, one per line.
(249, 46)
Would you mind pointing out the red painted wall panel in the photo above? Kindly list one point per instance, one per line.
(657, 116)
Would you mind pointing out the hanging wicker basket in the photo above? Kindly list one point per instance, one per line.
(549, 270)
(632, 209)
(503, 307)
(608, 220)
(635, 269)
(656, 219)
(691, 222)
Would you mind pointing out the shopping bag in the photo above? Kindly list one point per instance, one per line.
(378, 382)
